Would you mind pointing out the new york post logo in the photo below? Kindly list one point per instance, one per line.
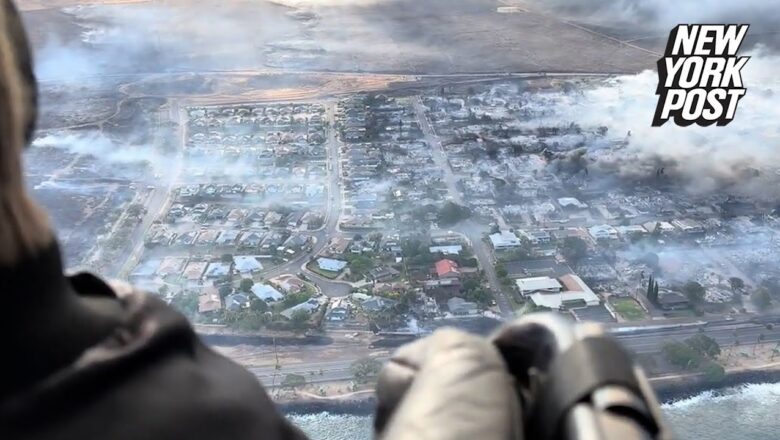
(699, 77)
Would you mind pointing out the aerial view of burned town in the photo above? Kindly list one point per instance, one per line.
(310, 205)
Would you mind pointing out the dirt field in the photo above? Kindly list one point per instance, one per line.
(392, 36)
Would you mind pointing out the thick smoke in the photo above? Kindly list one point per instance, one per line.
(155, 38)
(661, 15)
(106, 150)
(742, 158)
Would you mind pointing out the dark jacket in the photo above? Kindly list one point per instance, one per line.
(152, 378)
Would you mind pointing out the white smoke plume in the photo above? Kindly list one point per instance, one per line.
(662, 15)
(104, 149)
(742, 158)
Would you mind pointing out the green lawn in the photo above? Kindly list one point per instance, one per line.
(628, 308)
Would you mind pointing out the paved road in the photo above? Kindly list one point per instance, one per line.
(469, 228)
(335, 359)
(332, 371)
(331, 223)
(159, 200)
(724, 334)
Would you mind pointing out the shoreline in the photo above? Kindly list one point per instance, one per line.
(668, 390)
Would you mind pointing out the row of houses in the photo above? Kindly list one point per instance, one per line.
(193, 272)
(507, 240)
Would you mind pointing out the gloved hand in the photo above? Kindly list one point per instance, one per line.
(450, 385)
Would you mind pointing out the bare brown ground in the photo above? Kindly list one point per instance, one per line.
(231, 88)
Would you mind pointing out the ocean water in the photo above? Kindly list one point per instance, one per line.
(749, 412)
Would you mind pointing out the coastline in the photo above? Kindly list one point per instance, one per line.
(667, 389)
(670, 390)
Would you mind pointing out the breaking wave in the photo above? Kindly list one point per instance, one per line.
(737, 413)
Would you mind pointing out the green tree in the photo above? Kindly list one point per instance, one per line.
(761, 299)
(293, 381)
(300, 321)
(359, 265)
(246, 285)
(694, 292)
(226, 258)
(501, 271)
(452, 213)
(574, 249)
(186, 303)
(136, 210)
(294, 299)
(258, 305)
(652, 290)
(224, 291)
(248, 320)
(365, 369)
(681, 355)
(479, 296)
(470, 284)
(736, 283)
(704, 345)
(714, 371)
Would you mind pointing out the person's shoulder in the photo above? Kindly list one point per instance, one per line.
(166, 381)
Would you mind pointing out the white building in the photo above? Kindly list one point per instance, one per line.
(531, 285)
(446, 250)
(247, 264)
(309, 307)
(331, 265)
(537, 237)
(603, 232)
(571, 202)
(266, 293)
(505, 240)
(688, 226)
(631, 230)
(551, 293)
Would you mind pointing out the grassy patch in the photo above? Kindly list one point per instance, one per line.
(628, 308)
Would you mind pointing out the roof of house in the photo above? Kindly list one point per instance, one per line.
(331, 265)
(171, 265)
(266, 293)
(309, 306)
(571, 201)
(445, 282)
(217, 269)
(602, 230)
(537, 267)
(456, 304)
(536, 284)
(236, 301)
(289, 283)
(195, 269)
(446, 267)
(247, 264)
(576, 289)
(382, 272)
(446, 250)
(672, 298)
(377, 303)
(504, 239)
(208, 300)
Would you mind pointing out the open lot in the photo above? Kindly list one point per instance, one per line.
(628, 308)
